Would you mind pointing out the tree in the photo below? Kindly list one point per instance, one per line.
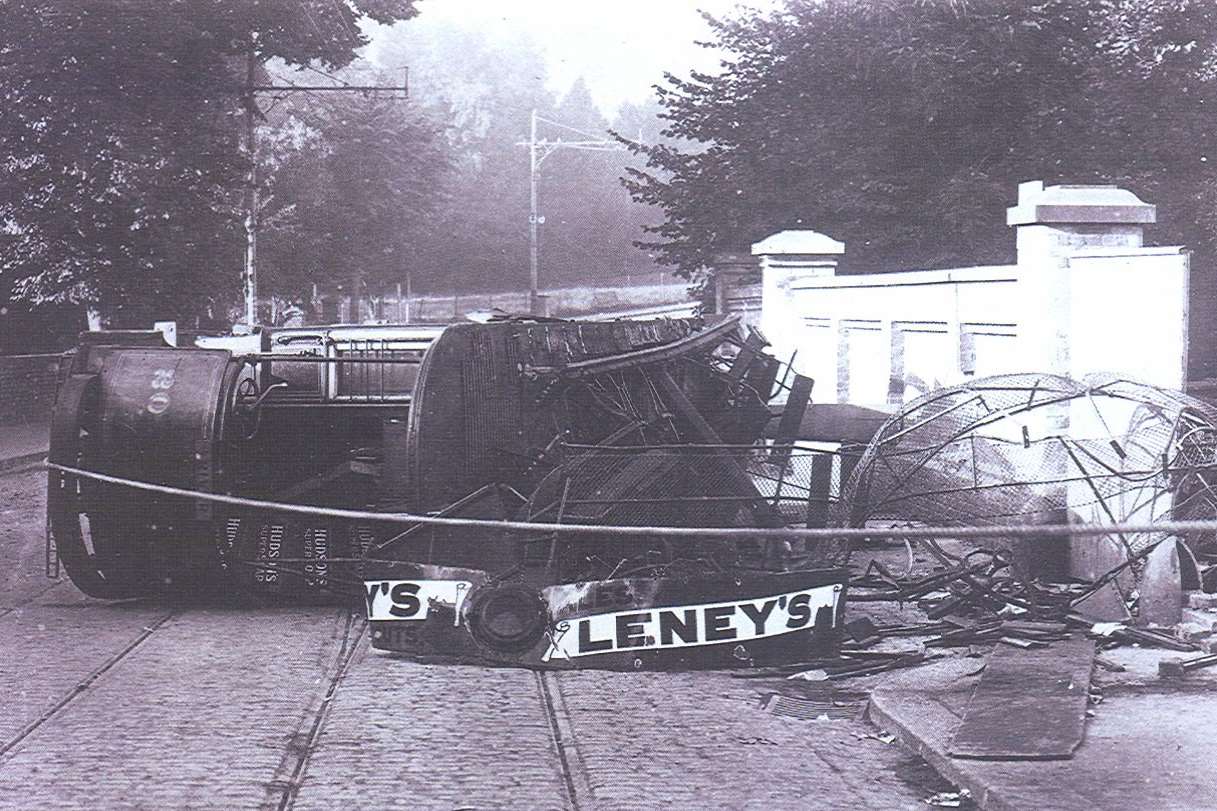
(902, 128)
(591, 222)
(351, 203)
(488, 90)
(479, 239)
(121, 179)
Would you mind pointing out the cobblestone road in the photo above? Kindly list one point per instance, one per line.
(138, 706)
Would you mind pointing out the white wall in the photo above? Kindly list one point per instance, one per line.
(1128, 314)
(882, 339)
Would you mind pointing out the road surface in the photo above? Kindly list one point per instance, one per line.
(137, 705)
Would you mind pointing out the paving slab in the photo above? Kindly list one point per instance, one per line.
(1149, 745)
(1030, 703)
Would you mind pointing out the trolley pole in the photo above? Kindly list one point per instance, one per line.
(533, 300)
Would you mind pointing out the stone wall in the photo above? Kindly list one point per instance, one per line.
(670, 298)
(1084, 297)
(882, 339)
(27, 387)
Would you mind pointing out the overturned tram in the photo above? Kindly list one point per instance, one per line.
(258, 468)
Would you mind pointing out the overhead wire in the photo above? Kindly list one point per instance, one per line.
(342, 82)
(584, 133)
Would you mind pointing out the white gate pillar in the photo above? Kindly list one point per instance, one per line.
(786, 258)
(1053, 224)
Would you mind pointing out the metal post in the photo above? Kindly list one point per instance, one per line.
(532, 215)
(251, 199)
(252, 196)
(537, 152)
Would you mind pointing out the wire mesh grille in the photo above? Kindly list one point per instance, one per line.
(1041, 449)
(697, 486)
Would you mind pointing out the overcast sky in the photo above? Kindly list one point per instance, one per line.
(621, 47)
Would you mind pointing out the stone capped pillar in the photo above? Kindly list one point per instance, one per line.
(1052, 223)
(1095, 300)
(731, 270)
(787, 258)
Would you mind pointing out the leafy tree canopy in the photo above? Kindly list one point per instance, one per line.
(591, 222)
(119, 186)
(361, 183)
(479, 239)
(487, 89)
(902, 128)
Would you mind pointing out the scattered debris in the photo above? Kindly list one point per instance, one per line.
(1152, 637)
(850, 664)
(1201, 600)
(996, 451)
(1178, 668)
(1107, 629)
(862, 630)
(808, 709)
(1108, 665)
(949, 799)
(1021, 643)
(1192, 632)
(898, 661)
(757, 741)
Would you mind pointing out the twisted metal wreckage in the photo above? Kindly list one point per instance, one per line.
(641, 424)
(1038, 450)
(522, 492)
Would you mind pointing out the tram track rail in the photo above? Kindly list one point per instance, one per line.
(82, 686)
(25, 601)
(574, 770)
(300, 752)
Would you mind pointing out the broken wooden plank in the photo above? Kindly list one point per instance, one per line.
(751, 350)
(792, 416)
(835, 422)
(819, 490)
(1029, 704)
(325, 479)
(765, 513)
(1161, 586)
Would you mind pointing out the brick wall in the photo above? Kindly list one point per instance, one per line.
(27, 387)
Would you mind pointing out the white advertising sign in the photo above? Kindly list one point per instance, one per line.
(411, 599)
(689, 625)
